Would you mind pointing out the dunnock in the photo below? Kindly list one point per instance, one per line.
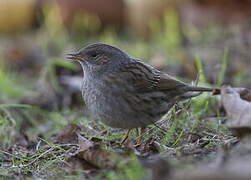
(124, 92)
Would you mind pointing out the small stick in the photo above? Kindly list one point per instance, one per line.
(126, 136)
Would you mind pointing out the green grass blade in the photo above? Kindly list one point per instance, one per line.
(223, 67)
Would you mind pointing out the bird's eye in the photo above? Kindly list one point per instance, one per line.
(94, 55)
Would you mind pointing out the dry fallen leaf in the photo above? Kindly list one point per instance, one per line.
(94, 154)
(88, 152)
(69, 134)
(245, 94)
(238, 110)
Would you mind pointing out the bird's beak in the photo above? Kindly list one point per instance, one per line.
(75, 56)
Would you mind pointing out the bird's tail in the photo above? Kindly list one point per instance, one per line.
(199, 89)
(191, 91)
(190, 94)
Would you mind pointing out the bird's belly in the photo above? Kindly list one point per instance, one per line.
(125, 110)
(112, 110)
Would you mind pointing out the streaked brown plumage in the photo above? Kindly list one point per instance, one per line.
(124, 92)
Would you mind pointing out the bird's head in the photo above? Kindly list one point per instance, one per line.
(99, 57)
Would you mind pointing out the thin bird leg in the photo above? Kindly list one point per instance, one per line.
(141, 132)
(125, 136)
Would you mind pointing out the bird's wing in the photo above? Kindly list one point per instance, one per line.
(167, 82)
(142, 77)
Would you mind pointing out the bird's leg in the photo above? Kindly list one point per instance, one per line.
(125, 136)
(141, 132)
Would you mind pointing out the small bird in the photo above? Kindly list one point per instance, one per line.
(124, 92)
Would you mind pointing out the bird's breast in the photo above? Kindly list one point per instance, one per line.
(98, 97)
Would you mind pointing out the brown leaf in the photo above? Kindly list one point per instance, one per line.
(94, 154)
(84, 143)
(245, 94)
(238, 110)
(69, 134)
(88, 152)
(150, 146)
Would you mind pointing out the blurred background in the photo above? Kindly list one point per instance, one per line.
(169, 34)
